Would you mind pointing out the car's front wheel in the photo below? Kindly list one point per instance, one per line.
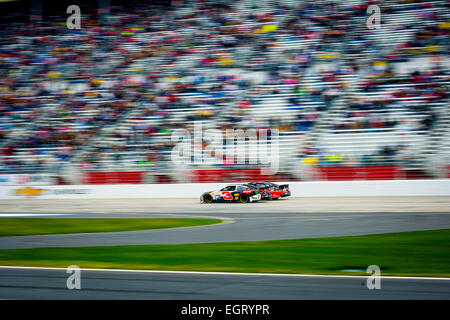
(207, 198)
(244, 198)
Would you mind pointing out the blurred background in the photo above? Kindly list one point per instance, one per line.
(98, 105)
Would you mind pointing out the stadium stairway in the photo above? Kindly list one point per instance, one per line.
(434, 158)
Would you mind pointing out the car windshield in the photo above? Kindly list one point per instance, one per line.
(262, 185)
(228, 188)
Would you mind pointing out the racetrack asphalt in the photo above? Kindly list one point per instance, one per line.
(250, 224)
(24, 283)
(244, 226)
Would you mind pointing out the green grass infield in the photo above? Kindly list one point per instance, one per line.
(46, 226)
(417, 253)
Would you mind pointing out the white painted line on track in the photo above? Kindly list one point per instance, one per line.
(4, 215)
(227, 273)
(296, 218)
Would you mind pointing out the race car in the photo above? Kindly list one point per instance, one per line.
(284, 188)
(232, 193)
(269, 191)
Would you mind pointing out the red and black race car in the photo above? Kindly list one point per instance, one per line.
(268, 190)
(284, 188)
(235, 192)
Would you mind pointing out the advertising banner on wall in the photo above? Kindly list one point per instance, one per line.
(26, 179)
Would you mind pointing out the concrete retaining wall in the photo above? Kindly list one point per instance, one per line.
(440, 187)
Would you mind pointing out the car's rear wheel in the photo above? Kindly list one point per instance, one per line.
(244, 198)
(207, 198)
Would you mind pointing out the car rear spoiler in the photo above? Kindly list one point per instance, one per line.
(282, 186)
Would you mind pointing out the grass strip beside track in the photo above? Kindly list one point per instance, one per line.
(46, 226)
(417, 253)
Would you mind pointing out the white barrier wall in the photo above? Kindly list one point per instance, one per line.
(392, 188)
(381, 188)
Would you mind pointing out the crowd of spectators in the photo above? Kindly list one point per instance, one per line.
(415, 94)
(60, 88)
(384, 156)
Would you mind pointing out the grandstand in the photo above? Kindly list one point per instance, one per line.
(98, 105)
